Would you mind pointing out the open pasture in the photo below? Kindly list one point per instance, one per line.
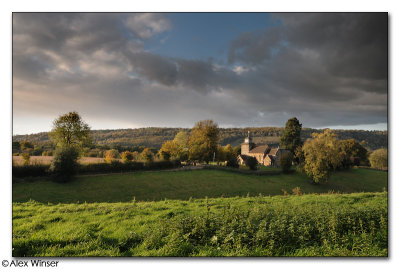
(181, 185)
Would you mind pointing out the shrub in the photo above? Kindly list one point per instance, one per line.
(286, 162)
(127, 156)
(26, 157)
(379, 158)
(297, 191)
(147, 155)
(47, 153)
(251, 163)
(165, 155)
(111, 155)
(36, 170)
(65, 164)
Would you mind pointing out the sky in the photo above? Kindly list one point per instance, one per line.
(131, 70)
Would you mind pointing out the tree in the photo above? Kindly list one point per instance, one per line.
(203, 141)
(286, 162)
(171, 148)
(70, 130)
(251, 163)
(379, 158)
(353, 151)
(111, 155)
(65, 163)
(70, 133)
(26, 145)
(230, 156)
(290, 138)
(127, 156)
(147, 155)
(322, 155)
(26, 157)
(164, 155)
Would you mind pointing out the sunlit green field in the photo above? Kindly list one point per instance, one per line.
(168, 214)
(308, 225)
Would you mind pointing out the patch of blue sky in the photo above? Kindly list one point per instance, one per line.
(201, 36)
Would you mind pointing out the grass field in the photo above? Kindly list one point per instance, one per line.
(17, 160)
(202, 213)
(308, 225)
(155, 186)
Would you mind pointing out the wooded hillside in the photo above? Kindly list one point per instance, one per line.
(154, 137)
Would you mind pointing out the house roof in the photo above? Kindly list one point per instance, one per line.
(273, 151)
(260, 149)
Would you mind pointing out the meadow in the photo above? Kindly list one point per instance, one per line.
(181, 185)
(307, 225)
(202, 213)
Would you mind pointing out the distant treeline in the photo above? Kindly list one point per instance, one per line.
(154, 137)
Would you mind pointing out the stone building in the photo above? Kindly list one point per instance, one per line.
(265, 154)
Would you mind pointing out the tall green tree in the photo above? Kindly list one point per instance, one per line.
(70, 133)
(290, 138)
(322, 155)
(70, 130)
(203, 141)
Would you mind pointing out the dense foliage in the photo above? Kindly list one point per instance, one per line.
(65, 163)
(307, 225)
(203, 141)
(379, 158)
(138, 139)
(70, 130)
(322, 155)
(286, 162)
(291, 137)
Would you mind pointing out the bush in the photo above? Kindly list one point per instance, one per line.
(36, 170)
(147, 155)
(286, 162)
(127, 156)
(26, 157)
(65, 164)
(47, 153)
(111, 155)
(251, 163)
(379, 158)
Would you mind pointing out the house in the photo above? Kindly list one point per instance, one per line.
(264, 154)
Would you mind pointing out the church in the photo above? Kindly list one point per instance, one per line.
(265, 154)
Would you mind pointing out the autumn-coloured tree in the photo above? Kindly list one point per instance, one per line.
(203, 141)
(127, 156)
(147, 155)
(111, 155)
(322, 155)
(379, 158)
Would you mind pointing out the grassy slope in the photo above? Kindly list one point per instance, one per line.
(150, 186)
(309, 225)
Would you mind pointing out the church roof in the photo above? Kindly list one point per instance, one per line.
(260, 149)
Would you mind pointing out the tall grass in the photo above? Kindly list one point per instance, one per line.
(307, 225)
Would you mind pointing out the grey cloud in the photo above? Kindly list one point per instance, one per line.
(254, 47)
(326, 69)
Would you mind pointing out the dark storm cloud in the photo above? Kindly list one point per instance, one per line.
(326, 69)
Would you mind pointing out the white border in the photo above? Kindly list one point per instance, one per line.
(7, 7)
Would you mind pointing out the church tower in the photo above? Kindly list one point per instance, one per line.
(247, 145)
